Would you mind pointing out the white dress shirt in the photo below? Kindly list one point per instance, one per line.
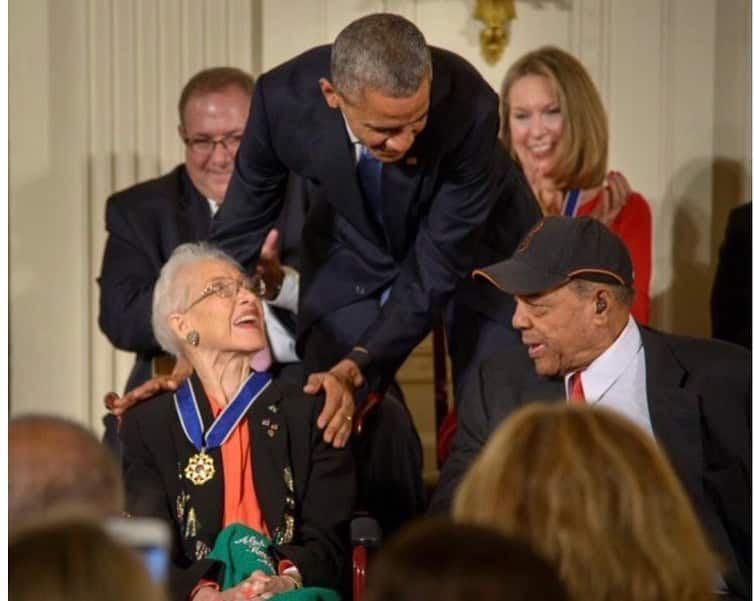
(617, 379)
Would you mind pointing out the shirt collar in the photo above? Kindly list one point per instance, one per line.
(610, 365)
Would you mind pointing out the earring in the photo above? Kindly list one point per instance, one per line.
(193, 338)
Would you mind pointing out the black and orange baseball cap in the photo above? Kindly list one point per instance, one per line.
(559, 249)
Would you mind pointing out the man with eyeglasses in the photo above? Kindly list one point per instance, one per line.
(147, 221)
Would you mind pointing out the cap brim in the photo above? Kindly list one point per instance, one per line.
(518, 278)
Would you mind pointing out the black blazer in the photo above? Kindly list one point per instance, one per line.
(320, 503)
(438, 201)
(699, 397)
(145, 223)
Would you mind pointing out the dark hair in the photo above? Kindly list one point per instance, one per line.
(381, 51)
(55, 462)
(436, 559)
(214, 79)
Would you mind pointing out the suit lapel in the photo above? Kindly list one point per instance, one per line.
(269, 453)
(192, 211)
(335, 167)
(206, 500)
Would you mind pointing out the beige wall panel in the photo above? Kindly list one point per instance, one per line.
(48, 246)
(290, 28)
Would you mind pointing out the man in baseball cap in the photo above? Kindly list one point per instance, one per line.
(572, 280)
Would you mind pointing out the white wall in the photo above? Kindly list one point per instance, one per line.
(93, 86)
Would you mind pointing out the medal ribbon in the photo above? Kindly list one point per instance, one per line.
(226, 422)
(572, 202)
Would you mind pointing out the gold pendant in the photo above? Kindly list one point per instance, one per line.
(200, 468)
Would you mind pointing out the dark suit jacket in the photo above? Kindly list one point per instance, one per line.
(156, 452)
(145, 223)
(437, 203)
(699, 397)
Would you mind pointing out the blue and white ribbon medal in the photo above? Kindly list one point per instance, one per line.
(571, 204)
(201, 467)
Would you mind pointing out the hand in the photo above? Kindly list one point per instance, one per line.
(269, 267)
(549, 197)
(118, 405)
(264, 586)
(617, 191)
(337, 414)
(241, 592)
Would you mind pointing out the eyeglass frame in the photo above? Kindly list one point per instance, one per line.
(218, 285)
(234, 139)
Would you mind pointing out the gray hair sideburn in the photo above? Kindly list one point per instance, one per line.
(171, 296)
(381, 51)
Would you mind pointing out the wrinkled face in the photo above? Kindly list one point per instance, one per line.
(213, 117)
(558, 329)
(227, 316)
(536, 123)
(387, 126)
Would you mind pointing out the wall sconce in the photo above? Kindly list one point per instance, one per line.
(496, 16)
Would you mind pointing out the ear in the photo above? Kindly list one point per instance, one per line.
(180, 325)
(181, 131)
(332, 98)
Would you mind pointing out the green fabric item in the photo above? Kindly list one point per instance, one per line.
(244, 550)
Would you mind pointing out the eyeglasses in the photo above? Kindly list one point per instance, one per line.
(229, 287)
(205, 146)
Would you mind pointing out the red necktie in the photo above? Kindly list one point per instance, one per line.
(576, 394)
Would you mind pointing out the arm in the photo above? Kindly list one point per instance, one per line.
(443, 250)
(255, 194)
(126, 283)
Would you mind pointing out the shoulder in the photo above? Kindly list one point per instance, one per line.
(154, 413)
(701, 356)
(456, 82)
(295, 403)
(509, 367)
(147, 192)
(298, 76)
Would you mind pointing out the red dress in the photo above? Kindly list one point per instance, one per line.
(633, 225)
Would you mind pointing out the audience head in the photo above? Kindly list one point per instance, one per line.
(70, 557)
(213, 110)
(593, 493)
(438, 560)
(552, 119)
(381, 74)
(572, 280)
(203, 301)
(55, 462)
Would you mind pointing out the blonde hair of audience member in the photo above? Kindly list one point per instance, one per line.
(592, 492)
(436, 559)
(54, 462)
(582, 160)
(67, 556)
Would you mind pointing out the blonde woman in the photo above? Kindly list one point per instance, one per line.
(554, 123)
(593, 493)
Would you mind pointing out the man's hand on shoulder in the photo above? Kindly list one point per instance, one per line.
(339, 384)
(118, 405)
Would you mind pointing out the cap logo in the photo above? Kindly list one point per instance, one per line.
(527, 239)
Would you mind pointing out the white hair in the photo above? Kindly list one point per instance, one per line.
(171, 293)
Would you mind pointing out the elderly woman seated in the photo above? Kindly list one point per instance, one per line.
(259, 503)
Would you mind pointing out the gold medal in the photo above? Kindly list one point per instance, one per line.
(200, 468)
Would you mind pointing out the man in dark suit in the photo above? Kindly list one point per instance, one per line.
(572, 280)
(408, 188)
